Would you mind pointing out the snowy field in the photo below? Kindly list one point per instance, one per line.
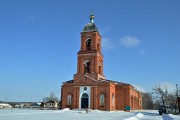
(66, 114)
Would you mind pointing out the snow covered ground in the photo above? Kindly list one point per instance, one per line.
(66, 114)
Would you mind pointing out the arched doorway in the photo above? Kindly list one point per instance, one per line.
(84, 100)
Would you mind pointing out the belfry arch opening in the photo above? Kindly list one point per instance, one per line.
(88, 44)
(87, 66)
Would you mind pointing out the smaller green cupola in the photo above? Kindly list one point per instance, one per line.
(90, 27)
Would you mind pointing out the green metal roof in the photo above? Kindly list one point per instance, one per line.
(90, 27)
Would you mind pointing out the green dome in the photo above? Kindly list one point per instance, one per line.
(90, 27)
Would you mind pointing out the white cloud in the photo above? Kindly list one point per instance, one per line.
(139, 88)
(107, 44)
(129, 41)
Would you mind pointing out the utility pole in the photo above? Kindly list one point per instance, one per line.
(176, 97)
(177, 90)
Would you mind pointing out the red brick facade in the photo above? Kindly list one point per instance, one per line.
(89, 87)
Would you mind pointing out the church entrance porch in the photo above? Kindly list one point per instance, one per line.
(84, 97)
(84, 100)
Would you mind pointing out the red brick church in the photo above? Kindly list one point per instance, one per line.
(89, 87)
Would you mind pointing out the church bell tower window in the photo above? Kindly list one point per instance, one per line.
(87, 66)
(88, 44)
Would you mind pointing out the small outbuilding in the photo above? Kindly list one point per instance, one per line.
(52, 104)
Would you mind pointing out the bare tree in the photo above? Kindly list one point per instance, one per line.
(147, 101)
(164, 96)
(51, 97)
(161, 94)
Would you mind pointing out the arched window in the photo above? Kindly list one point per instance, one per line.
(112, 99)
(88, 44)
(69, 99)
(102, 100)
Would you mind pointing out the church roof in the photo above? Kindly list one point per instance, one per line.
(90, 27)
(69, 81)
(104, 80)
(115, 82)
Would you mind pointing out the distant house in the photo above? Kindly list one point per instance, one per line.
(51, 104)
(17, 106)
(27, 105)
(36, 105)
(4, 105)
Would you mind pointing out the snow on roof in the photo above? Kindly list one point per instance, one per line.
(51, 101)
(39, 103)
(4, 104)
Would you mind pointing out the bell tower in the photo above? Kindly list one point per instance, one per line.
(90, 59)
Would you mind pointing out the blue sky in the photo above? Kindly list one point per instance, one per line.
(39, 41)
